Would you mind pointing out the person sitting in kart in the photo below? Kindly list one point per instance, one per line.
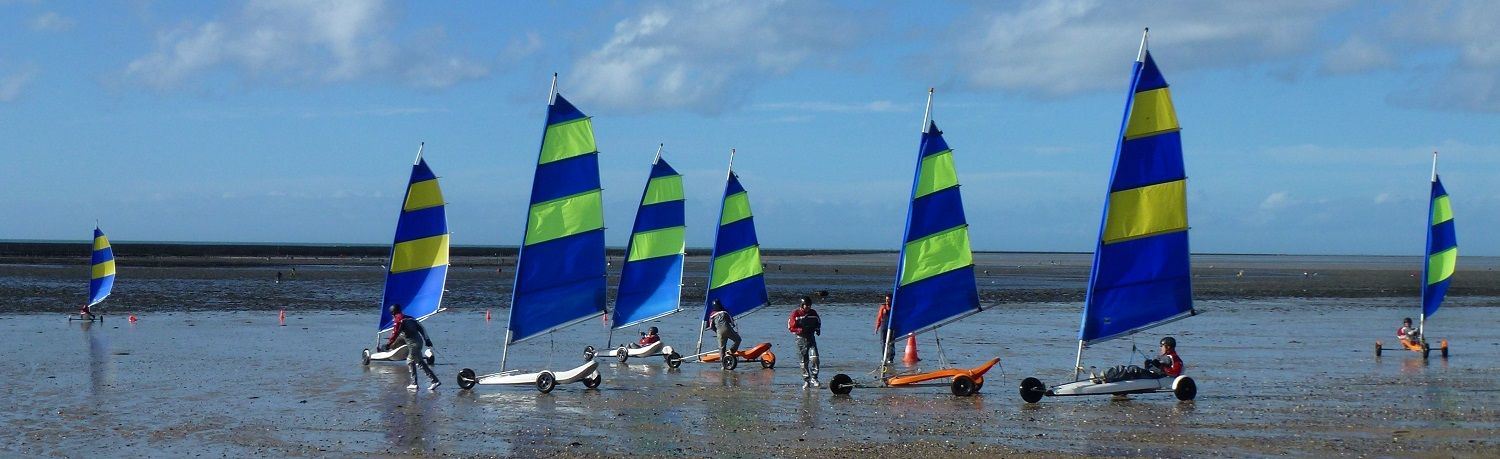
(723, 325)
(1166, 365)
(396, 318)
(1409, 333)
(86, 312)
(648, 338)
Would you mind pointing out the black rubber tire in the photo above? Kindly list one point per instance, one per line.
(622, 353)
(1377, 349)
(1032, 390)
(841, 384)
(1425, 351)
(1186, 389)
(466, 379)
(730, 361)
(962, 385)
(593, 382)
(1445, 350)
(365, 360)
(545, 382)
(674, 360)
(588, 353)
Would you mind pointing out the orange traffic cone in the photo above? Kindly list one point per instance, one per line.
(911, 350)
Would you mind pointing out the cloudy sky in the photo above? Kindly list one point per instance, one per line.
(1308, 125)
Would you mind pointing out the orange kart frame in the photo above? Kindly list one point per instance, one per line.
(1419, 347)
(758, 353)
(962, 381)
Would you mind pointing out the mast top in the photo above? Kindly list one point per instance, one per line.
(927, 112)
(659, 146)
(552, 92)
(1140, 56)
(731, 161)
(420, 145)
(1434, 165)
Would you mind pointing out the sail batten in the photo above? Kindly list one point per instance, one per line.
(651, 279)
(935, 272)
(418, 267)
(101, 268)
(736, 276)
(560, 274)
(1442, 249)
(1140, 276)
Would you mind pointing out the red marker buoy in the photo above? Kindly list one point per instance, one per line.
(132, 318)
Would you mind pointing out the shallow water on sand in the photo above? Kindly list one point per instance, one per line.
(1275, 377)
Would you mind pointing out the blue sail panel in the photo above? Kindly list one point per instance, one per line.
(418, 268)
(1442, 249)
(649, 289)
(651, 279)
(1140, 276)
(740, 297)
(101, 268)
(935, 272)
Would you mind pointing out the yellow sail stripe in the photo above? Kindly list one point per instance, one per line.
(735, 266)
(422, 195)
(1146, 211)
(1441, 265)
(1442, 211)
(101, 243)
(936, 254)
(1151, 113)
(104, 269)
(421, 253)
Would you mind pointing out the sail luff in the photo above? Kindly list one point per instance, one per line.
(418, 262)
(651, 276)
(101, 268)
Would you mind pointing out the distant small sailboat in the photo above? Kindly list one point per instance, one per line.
(101, 276)
(935, 271)
(1441, 260)
(651, 278)
(419, 260)
(736, 276)
(1141, 274)
(560, 272)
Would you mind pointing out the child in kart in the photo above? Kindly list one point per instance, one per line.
(1408, 333)
(396, 318)
(723, 325)
(86, 312)
(1166, 365)
(648, 338)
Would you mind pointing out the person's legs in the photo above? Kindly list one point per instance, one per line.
(803, 346)
(724, 346)
(735, 337)
(812, 361)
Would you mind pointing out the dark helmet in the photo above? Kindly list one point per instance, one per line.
(806, 299)
(1169, 342)
(651, 331)
(1406, 320)
(395, 308)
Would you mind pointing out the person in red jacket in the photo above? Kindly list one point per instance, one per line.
(396, 318)
(805, 323)
(1168, 363)
(882, 318)
(1409, 333)
(648, 338)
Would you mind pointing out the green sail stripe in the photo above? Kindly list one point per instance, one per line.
(1442, 211)
(657, 243)
(568, 139)
(663, 189)
(1441, 265)
(736, 208)
(938, 173)
(936, 254)
(565, 217)
(735, 266)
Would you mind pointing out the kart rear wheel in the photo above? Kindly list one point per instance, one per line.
(1377, 349)
(841, 384)
(622, 353)
(466, 379)
(674, 360)
(545, 382)
(593, 382)
(588, 353)
(768, 360)
(365, 360)
(730, 361)
(1425, 351)
(1186, 389)
(1445, 349)
(978, 384)
(962, 386)
(1032, 390)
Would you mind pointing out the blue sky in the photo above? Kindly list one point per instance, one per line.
(1308, 126)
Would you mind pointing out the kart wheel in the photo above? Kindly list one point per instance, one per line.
(365, 359)
(841, 384)
(674, 360)
(1377, 349)
(963, 386)
(768, 360)
(466, 379)
(622, 353)
(1186, 389)
(1032, 390)
(730, 361)
(594, 381)
(545, 382)
(588, 353)
(1445, 349)
(1425, 351)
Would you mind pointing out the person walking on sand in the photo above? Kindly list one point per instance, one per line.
(881, 321)
(416, 342)
(396, 318)
(805, 323)
(723, 325)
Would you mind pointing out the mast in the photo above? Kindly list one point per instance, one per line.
(505, 350)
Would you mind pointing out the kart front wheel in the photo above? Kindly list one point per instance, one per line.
(841, 384)
(466, 379)
(1185, 389)
(545, 382)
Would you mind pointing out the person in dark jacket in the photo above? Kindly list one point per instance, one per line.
(396, 319)
(416, 342)
(805, 323)
(722, 323)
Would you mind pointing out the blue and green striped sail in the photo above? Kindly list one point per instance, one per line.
(1442, 250)
(935, 274)
(651, 280)
(560, 276)
(1140, 276)
(736, 275)
(102, 274)
(419, 252)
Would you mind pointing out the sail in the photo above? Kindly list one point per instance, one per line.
(560, 273)
(102, 278)
(1442, 250)
(651, 280)
(935, 272)
(419, 253)
(736, 275)
(1140, 276)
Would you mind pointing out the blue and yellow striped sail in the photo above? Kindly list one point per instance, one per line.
(736, 275)
(1140, 276)
(419, 252)
(560, 275)
(935, 272)
(1442, 250)
(651, 280)
(102, 275)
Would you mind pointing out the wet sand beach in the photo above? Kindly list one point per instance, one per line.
(209, 370)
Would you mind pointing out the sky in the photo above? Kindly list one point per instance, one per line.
(1308, 126)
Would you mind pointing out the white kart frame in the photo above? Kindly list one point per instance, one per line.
(544, 381)
(1183, 387)
(398, 353)
(631, 351)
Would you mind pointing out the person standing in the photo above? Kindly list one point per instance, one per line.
(416, 342)
(806, 325)
(882, 322)
(723, 326)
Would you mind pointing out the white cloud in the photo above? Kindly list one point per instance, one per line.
(51, 22)
(1461, 37)
(1063, 47)
(1357, 55)
(12, 85)
(284, 41)
(705, 56)
(1277, 201)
